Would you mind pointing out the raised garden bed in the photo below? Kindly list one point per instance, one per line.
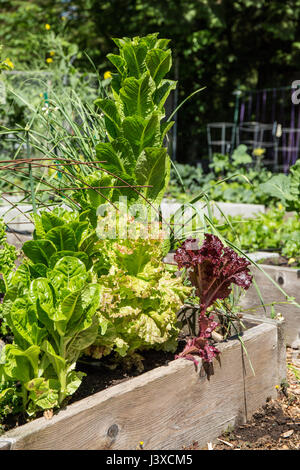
(287, 278)
(170, 406)
(15, 219)
(169, 207)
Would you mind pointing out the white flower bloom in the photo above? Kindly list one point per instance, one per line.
(47, 108)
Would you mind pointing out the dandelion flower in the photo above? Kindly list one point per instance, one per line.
(52, 53)
(258, 152)
(107, 75)
(8, 63)
(47, 26)
(49, 60)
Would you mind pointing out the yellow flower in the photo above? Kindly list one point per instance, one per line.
(280, 206)
(291, 260)
(107, 75)
(258, 152)
(52, 53)
(9, 63)
(277, 387)
(52, 173)
(41, 95)
(47, 26)
(49, 60)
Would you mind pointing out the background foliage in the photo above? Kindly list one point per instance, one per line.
(219, 44)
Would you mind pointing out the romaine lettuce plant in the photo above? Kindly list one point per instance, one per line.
(52, 318)
(49, 306)
(61, 233)
(212, 269)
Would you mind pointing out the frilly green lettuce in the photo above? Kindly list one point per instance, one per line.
(139, 298)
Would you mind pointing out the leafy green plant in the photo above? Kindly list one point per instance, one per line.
(285, 187)
(49, 306)
(61, 233)
(222, 164)
(240, 156)
(139, 296)
(93, 157)
(10, 400)
(290, 246)
(52, 318)
(267, 231)
(8, 256)
(134, 116)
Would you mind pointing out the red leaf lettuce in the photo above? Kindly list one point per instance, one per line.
(212, 269)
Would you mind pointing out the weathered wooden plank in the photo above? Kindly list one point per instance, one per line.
(5, 444)
(168, 407)
(288, 279)
(17, 239)
(281, 344)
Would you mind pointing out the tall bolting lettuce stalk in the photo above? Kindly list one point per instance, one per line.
(134, 117)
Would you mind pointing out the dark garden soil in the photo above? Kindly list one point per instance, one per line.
(275, 426)
(99, 376)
